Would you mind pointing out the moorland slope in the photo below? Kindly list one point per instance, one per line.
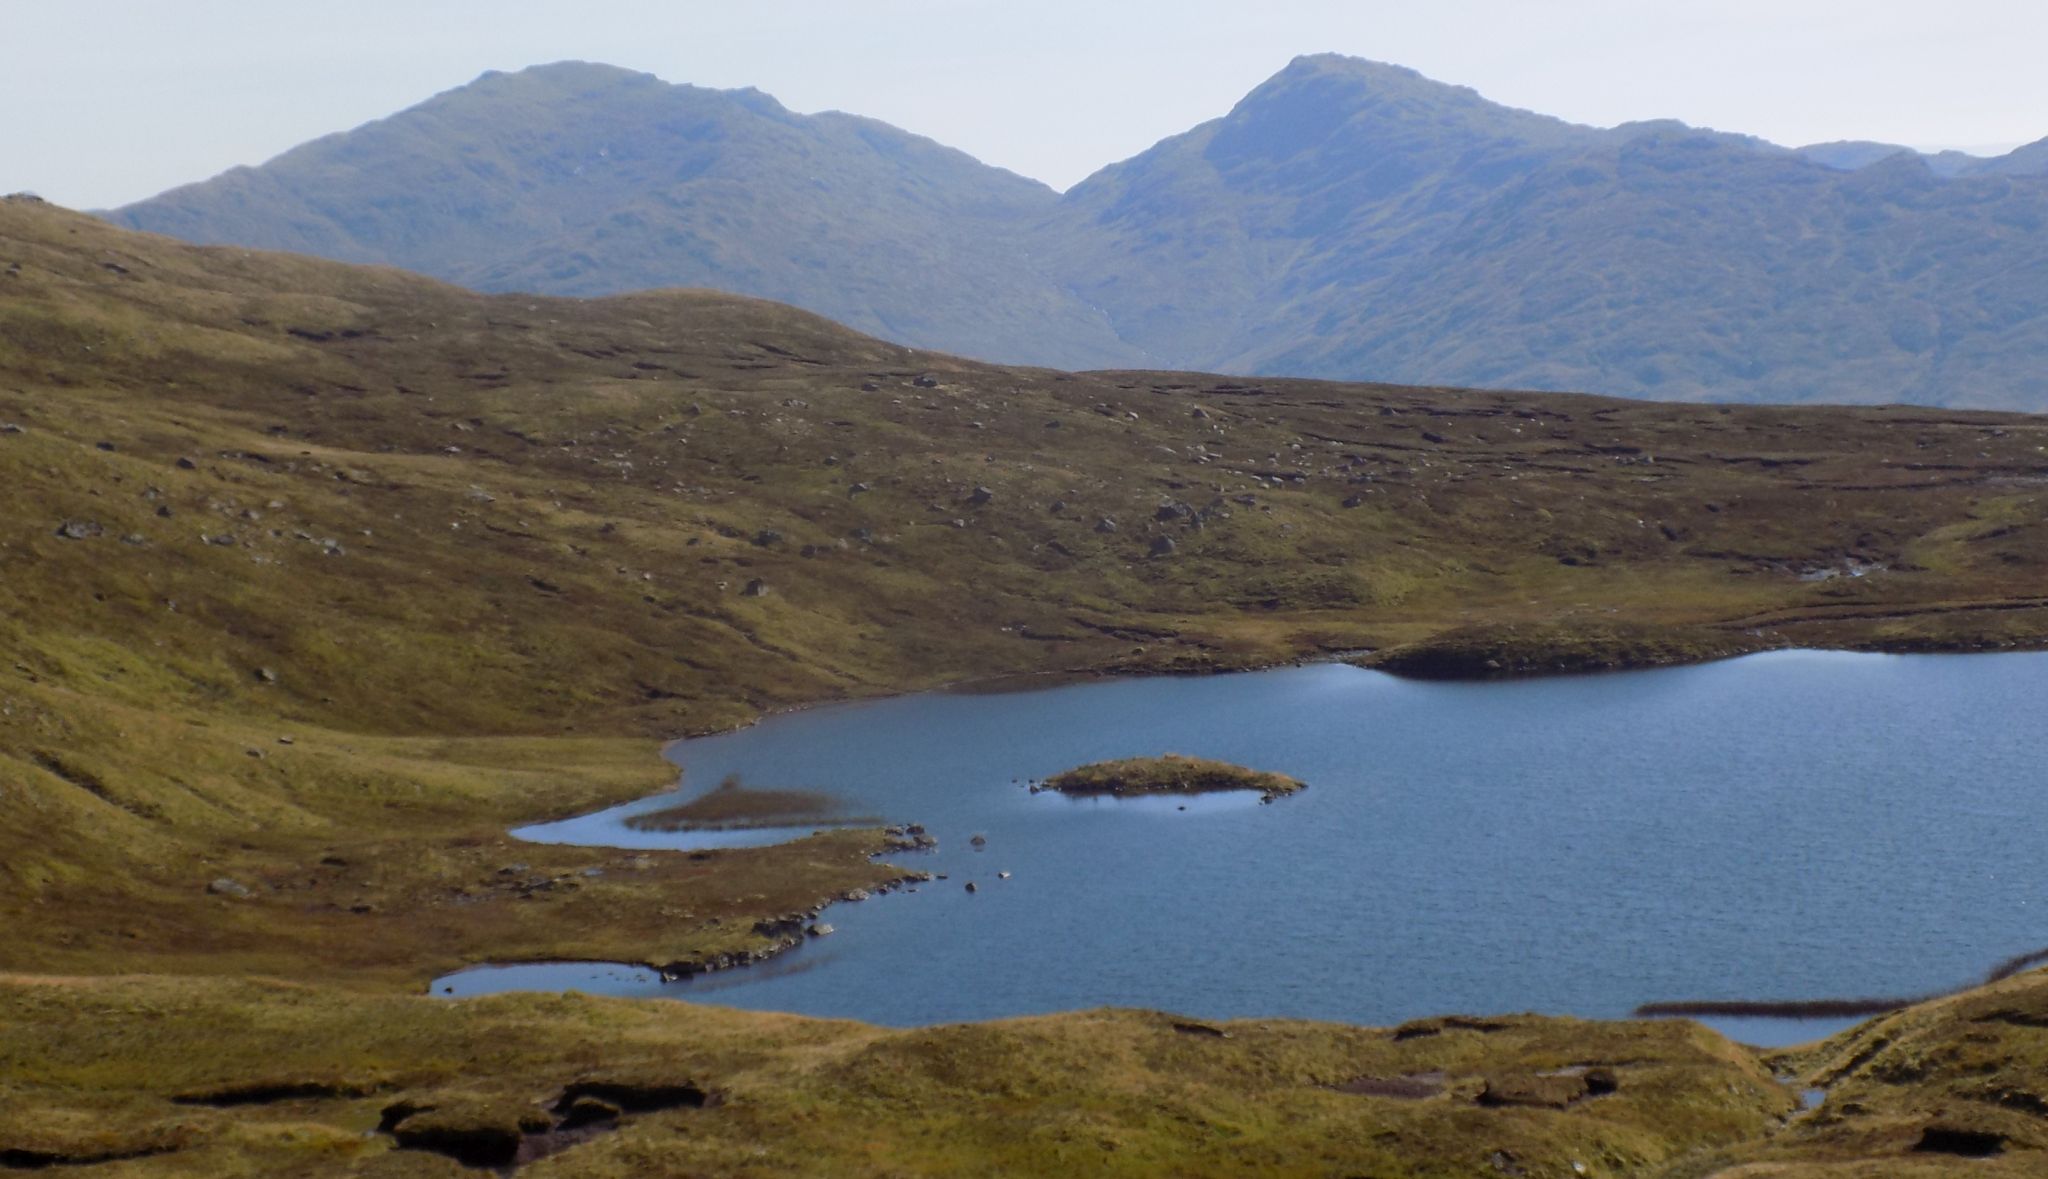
(315, 578)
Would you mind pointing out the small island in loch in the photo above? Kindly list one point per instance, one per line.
(1169, 773)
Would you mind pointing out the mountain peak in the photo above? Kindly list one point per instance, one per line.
(564, 76)
(1327, 97)
(1343, 79)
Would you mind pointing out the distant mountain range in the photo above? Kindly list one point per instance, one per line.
(1346, 219)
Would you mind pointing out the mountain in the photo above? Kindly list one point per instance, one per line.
(581, 179)
(1347, 219)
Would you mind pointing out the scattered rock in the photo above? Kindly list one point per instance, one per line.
(925, 381)
(1163, 546)
(226, 887)
(1105, 525)
(767, 537)
(979, 841)
(819, 929)
(755, 589)
(266, 675)
(79, 529)
(12, 428)
(186, 464)
(980, 496)
(103, 445)
(971, 887)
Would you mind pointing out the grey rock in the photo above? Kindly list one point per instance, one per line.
(79, 529)
(225, 887)
(755, 589)
(1163, 546)
(1105, 525)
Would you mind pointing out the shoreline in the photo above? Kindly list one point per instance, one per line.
(788, 934)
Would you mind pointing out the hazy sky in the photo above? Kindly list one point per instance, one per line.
(107, 101)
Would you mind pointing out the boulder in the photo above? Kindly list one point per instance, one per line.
(79, 529)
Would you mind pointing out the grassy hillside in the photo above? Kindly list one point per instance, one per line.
(314, 579)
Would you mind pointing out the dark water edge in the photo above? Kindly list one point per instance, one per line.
(1796, 823)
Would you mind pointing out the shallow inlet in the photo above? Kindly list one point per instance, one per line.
(1796, 825)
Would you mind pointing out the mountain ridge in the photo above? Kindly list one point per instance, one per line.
(1328, 225)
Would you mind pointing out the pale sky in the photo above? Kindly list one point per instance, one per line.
(103, 102)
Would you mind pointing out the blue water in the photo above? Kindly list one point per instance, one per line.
(1785, 826)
